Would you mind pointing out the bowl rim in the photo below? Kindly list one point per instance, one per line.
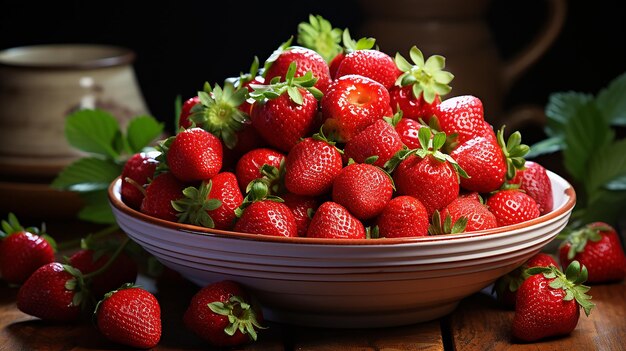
(117, 203)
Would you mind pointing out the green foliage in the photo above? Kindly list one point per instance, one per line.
(98, 133)
(582, 127)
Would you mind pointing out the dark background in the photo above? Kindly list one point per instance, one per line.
(182, 44)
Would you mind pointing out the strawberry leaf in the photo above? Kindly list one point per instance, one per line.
(93, 131)
(141, 131)
(87, 174)
(612, 101)
(97, 208)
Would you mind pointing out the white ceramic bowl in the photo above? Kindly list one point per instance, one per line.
(348, 283)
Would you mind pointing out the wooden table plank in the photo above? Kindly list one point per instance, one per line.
(481, 324)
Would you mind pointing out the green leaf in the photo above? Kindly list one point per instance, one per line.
(605, 206)
(561, 108)
(87, 174)
(141, 131)
(97, 208)
(585, 134)
(546, 146)
(612, 101)
(606, 166)
(93, 131)
(617, 184)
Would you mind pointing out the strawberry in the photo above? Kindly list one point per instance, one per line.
(122, 270)
(301, 206)
(404, 216)
(418, 89)
(185, 112)
(349, 45)
(363, 189)
(246, 80)
(289, 107)
(137, 173)
(548, 302)
(249, 165)
(160, 193)
(219, 112)
(426, 173)
(507, 285)
(333, 221)
(372, 64)
(130, 316)
(463, 116)
(193, 154)
(247, 139)
(512, 206)
(352, 103)
(408, 130)
(379, 139)
(311, 166)
(534, 180)
(477, 215)
(484, 162)
(306, 60)
(212, 204)
(597, 246)
(53, 292)
(22, 251)
(261, 213)
(222, 314)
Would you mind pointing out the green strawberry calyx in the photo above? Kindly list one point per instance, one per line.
(571, 282)
(514, 152)
(578, 238)
(319, 35)
(12, 226)
(275, 54)
(291, 86)
(195, 206)
(218, 112)
(426, 77)
(78, 286)
(245, 78)
(446, 226)
(241, 316)
(257, 190)
(351, 45)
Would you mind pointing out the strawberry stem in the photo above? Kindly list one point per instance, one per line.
(109, 262)
(97, 235)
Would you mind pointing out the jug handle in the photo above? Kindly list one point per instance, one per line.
(516, 66)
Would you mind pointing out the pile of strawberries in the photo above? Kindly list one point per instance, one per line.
(357, 145)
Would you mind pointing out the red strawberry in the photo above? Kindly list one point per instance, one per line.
(185, 112)
(404, 216)
(160, 193)
(408, 130)
(597, 246)
(512, 206)
(268, 218)
(311, 167)
(352, 103)
(334, 64)
(137, 173)
(222, 314)
(431, 176)
(372, 64)
(484, 162)
(193, 154)
(300, 206)
(363, 189)
(122, 270)
(379, 139)
(249, 165)
(477, 215)
(350, 45)
(535, 182)
(22, 251)
(417, 91)
(548, 302)
(289, 107)
(52, 293)
(130, 316)
(247, 139)
(333, 221)
(306, 60)
(462, 115)
(507, 285)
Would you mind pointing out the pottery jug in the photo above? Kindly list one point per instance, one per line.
(40, 85)
(457, 30)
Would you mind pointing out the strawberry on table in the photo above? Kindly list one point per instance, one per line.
(222, 314)
(261, 213)
(137, 173)
(363, 189)
(130, 316)
(160, 193)
(404, 216)
(285, 112)
(534, 180)
(352, 103)
(193, 154)
(598, 247)
(548, 302)
(373, 64)
(379, 139)
(418, 90)
(512, 206)
(22, 250)
(333, 221)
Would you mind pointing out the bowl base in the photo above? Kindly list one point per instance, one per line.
(371, 320)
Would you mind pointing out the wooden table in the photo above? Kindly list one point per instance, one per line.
(479, 323)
